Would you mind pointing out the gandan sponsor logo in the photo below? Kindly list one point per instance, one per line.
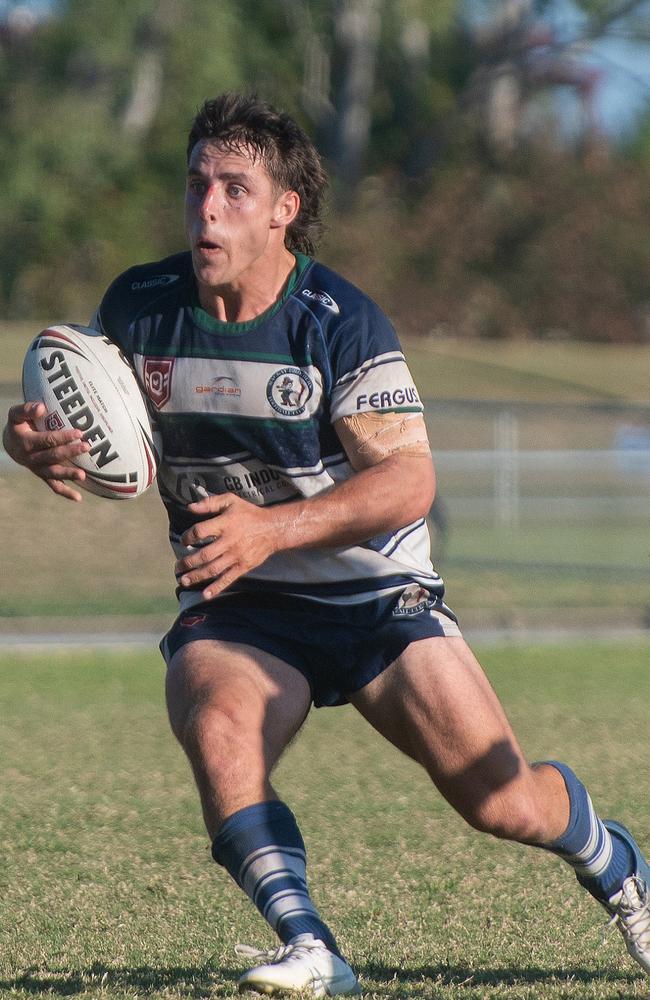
(74, 405)
(222, 385)
(385, 399)
(159, 279)
(288, 391)
(322, 297)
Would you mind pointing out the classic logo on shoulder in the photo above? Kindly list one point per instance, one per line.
(159, 279)
(158, 380)
(289, 390)
(322, 297)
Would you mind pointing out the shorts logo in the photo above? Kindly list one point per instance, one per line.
(158, 380)
(289, 390)
(189, 621)
(322, 297)
(53, 422)
(413, 600)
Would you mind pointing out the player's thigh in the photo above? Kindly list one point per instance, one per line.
(242, 688)
(436, 705)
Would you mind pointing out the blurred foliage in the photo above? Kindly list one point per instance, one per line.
(549, 248)
(446, 225)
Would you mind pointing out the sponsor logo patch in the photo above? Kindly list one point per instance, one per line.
(289, 390)
(189, 621)
(387, 398)
(160, 279)
(222, 385)
(322, 297)
(412, 601)
(158, 380)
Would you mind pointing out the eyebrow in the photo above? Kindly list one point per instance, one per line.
(239, 176)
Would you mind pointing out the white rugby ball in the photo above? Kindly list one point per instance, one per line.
(86, 383)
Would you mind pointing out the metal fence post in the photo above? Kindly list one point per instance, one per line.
(506, 470)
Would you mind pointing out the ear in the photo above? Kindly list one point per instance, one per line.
(286, 209)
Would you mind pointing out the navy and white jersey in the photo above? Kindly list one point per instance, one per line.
(250, 408)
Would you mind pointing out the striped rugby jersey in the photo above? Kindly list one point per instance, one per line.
(249, 408)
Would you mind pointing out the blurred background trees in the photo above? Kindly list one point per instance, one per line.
(474, 187)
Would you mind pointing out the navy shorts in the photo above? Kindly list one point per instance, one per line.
(338, 648)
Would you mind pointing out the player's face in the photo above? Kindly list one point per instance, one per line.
(233, 213)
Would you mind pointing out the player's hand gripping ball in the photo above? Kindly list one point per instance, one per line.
(86, 383)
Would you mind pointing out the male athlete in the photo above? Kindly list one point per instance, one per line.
(297, 477)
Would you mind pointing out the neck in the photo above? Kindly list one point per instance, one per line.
(252, 293)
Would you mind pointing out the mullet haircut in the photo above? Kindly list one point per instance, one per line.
(237, 122)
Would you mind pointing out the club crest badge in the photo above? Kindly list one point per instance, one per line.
(289, 390)
(412, 601)
(158, 380)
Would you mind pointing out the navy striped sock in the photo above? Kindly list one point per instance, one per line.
(601, 860)
(262, 849)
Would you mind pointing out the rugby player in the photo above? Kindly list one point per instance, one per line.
(297, 476)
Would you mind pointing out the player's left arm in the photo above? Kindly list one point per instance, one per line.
(393, 485)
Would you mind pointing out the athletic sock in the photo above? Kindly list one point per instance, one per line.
(601, 859)
(262, 849)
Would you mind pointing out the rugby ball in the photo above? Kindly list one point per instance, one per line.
(86, 383)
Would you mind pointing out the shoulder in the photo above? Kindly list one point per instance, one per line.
(143, 288)
(334, 300)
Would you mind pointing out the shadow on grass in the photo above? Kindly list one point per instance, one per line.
(194, 982)
(202, 982)
(459, 975)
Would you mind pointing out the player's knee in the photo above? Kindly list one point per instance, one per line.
(215, 731)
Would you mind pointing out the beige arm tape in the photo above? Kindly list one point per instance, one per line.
(368, 438)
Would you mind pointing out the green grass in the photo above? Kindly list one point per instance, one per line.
(108, 889)
(559, 568)
(548, 372)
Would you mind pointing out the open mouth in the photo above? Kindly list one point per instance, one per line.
(207, 245)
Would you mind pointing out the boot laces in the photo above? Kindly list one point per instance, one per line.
(294, 949)
(631, 914)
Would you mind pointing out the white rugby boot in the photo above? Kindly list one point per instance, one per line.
(302, 964)
(630, 906)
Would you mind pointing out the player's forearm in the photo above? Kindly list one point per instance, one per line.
(236, 535)
(385, 497)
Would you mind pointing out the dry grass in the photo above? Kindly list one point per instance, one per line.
(108, 889)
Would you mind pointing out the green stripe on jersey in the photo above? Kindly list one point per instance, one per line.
(188, 350)
(237, 420)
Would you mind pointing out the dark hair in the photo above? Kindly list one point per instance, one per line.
(239, 121)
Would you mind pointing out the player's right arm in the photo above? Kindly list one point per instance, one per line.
(48, 454)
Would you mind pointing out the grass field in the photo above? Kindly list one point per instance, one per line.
(108, 889)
